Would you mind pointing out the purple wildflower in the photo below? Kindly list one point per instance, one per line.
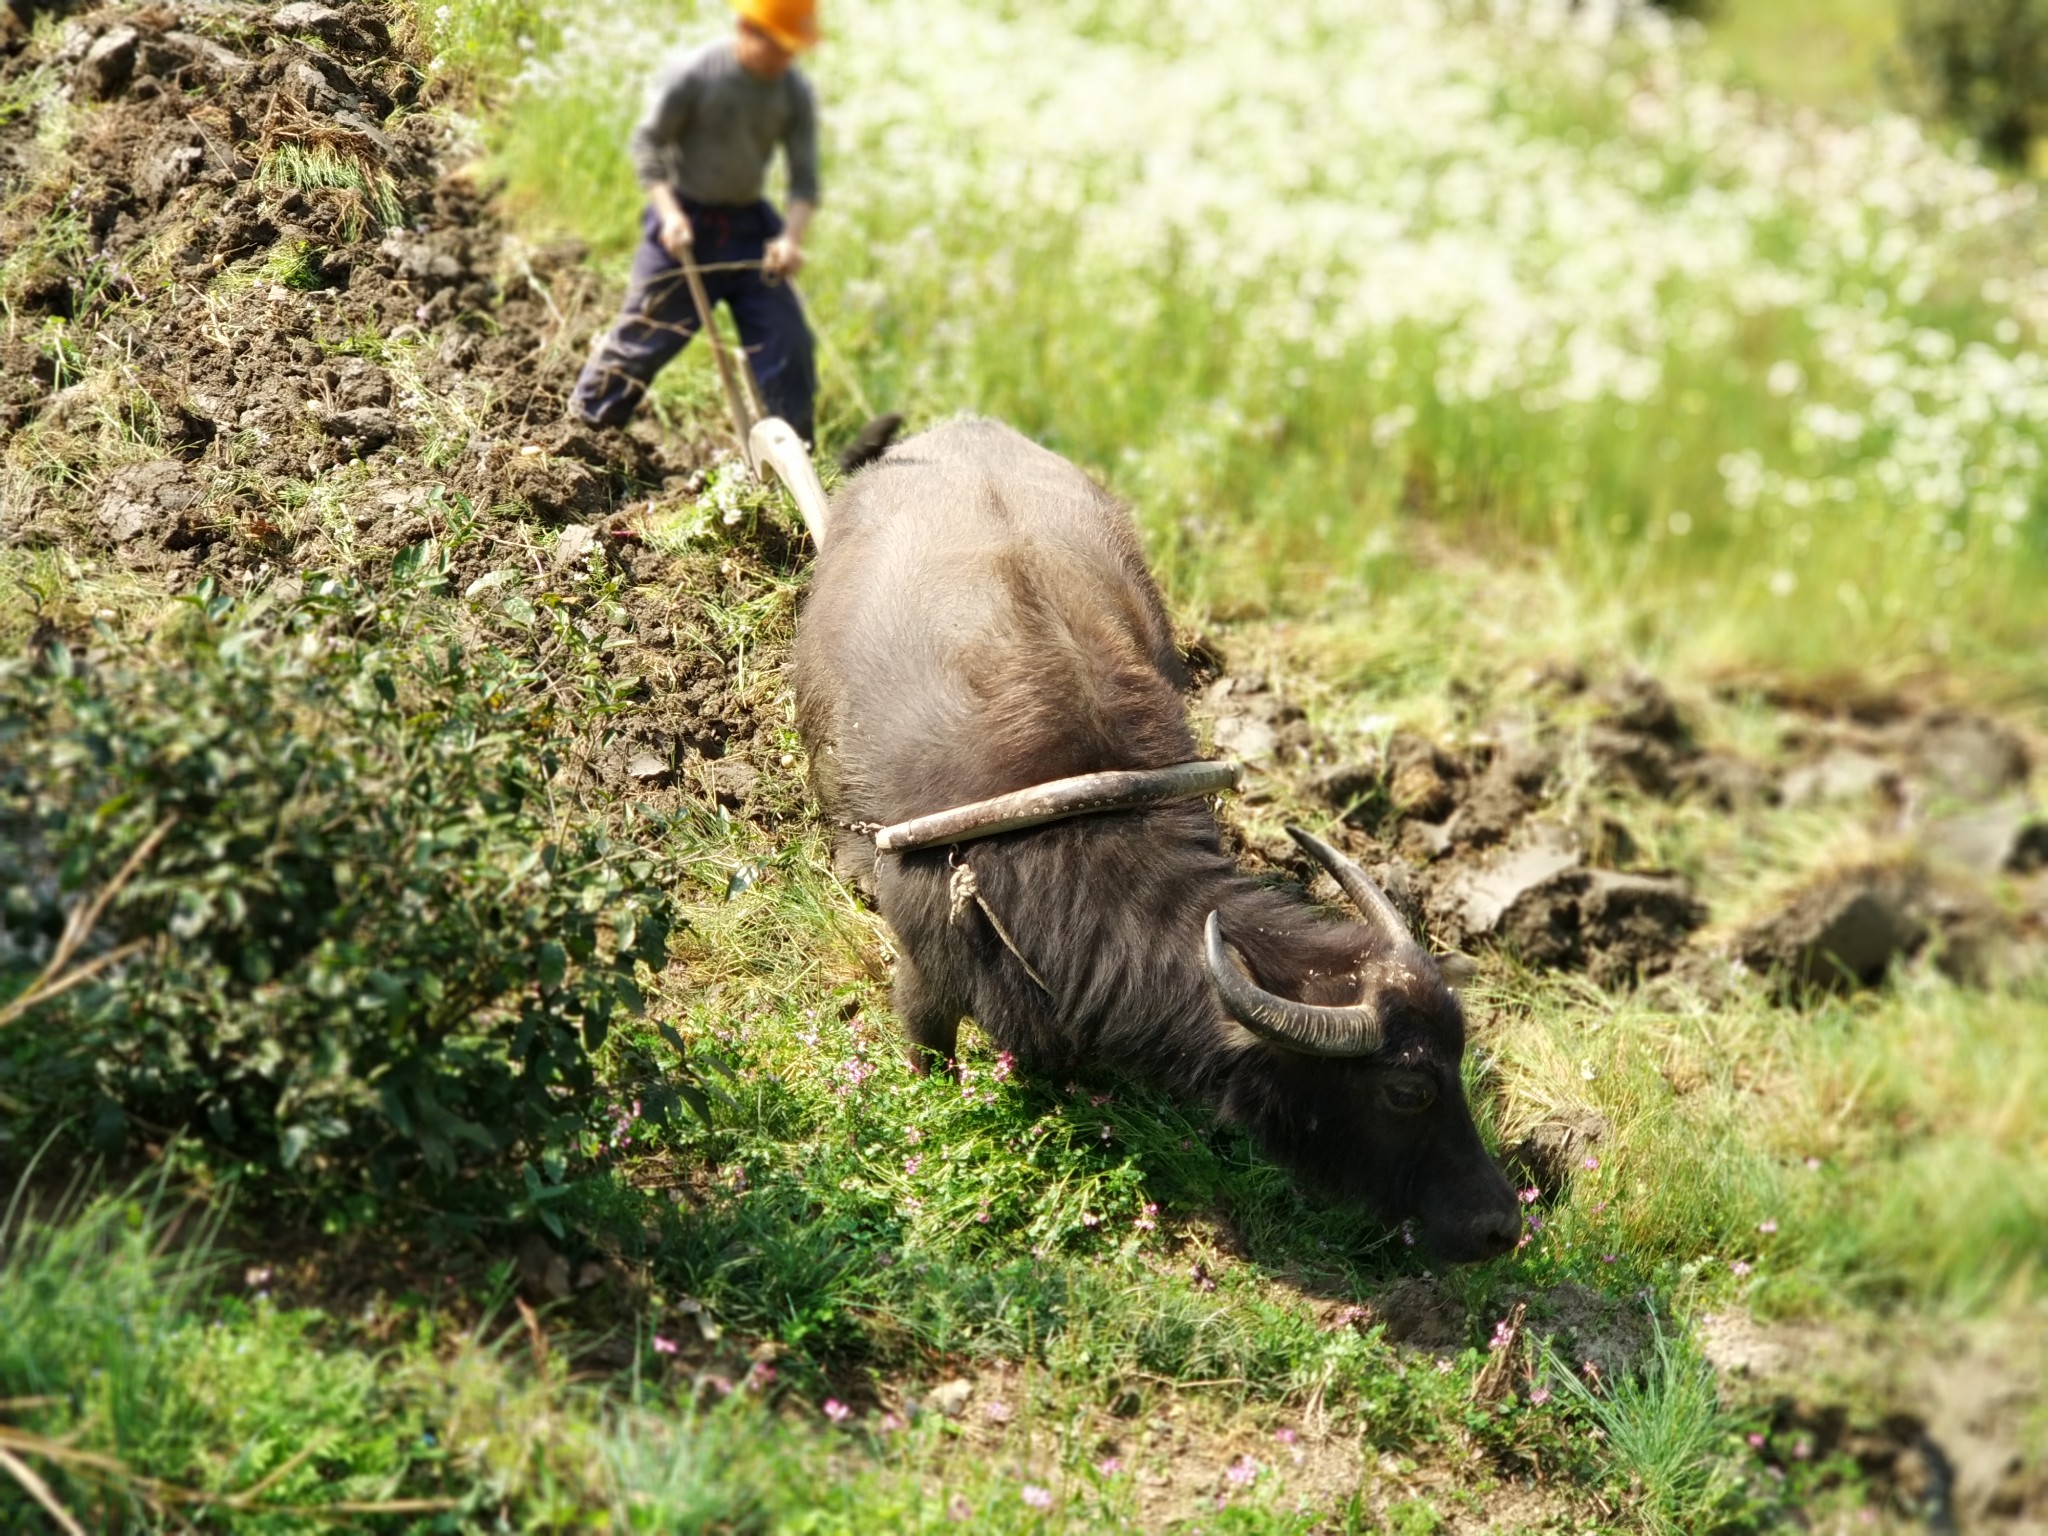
(837, 1411)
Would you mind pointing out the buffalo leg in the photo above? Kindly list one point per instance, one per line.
(931, 1022)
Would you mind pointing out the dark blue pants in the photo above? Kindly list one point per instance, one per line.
(658, 319)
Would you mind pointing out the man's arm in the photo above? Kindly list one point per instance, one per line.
(785, 254)
(655, 136)
(672, 228)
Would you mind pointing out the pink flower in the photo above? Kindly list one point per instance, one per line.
(1801, 1449)
(1005, 1065)
(1243, 1472)
(1768, 1225)
(1591, 1164)
(1037, 1497)
(911, 1163)
(1530, 1195)
(1539, 1397)
(913, 1135)
(999, 1412)
(1503, 1335)
(837, 1411)
(1090, 1219)
(1756, 1441)
(1740, 1266)
(1443, 1367)
(1109, 1466)
(664, 1346)
(762, 1374)
(982, 1215)
(1285, 1436)
(1146, 1221)
(1609, 1258)
(890, 1423)
(1100, 1099)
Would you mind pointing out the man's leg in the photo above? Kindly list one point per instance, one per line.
(655, 323)
(780, 349)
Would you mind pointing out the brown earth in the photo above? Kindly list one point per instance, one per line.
(210, 372)
(1487, 844)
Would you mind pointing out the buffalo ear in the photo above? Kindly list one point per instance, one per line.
(1458, 970)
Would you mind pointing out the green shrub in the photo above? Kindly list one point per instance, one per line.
(370, 955)
(1985, 62)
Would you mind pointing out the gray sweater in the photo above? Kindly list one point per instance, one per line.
(710, 129)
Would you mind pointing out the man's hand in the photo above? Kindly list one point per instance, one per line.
(783, 257)
(675, 233)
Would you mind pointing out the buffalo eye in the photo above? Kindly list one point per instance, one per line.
(1410, 1096)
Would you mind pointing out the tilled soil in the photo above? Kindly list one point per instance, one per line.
(1499, 842)
(261, 322)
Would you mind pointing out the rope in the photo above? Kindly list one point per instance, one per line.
(964, 889)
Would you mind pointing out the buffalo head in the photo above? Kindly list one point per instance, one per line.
(1364, 1095)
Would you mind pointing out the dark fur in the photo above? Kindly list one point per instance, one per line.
(981, 620)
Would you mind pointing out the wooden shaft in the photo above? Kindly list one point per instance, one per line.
(1059, 800)
(735, 400)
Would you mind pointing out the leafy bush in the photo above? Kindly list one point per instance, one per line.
(1986, 64)
(364, 953)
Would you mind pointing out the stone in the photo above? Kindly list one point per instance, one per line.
(646, 767)
(574, 542)
(158, 495)
(1966, 757)
(950, 1398)
(1842, 773)
(109, 64)
(1983, 842)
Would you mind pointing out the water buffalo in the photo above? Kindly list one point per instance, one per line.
(981, 620)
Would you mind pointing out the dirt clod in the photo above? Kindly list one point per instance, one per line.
(1253, 722)
(1844, 932)
(1556, 1148)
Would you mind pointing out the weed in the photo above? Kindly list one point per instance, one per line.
(312, 167)
(1663, 1429)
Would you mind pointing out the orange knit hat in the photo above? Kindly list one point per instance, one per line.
(792, 23)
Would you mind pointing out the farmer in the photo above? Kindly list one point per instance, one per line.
(714, 120)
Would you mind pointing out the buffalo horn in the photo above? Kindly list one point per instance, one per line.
(1380, 913)
(1305, 1027)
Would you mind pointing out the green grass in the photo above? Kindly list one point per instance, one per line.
(1836, 55)
(1275, 471)
(366, 191)
(1101, 1261)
